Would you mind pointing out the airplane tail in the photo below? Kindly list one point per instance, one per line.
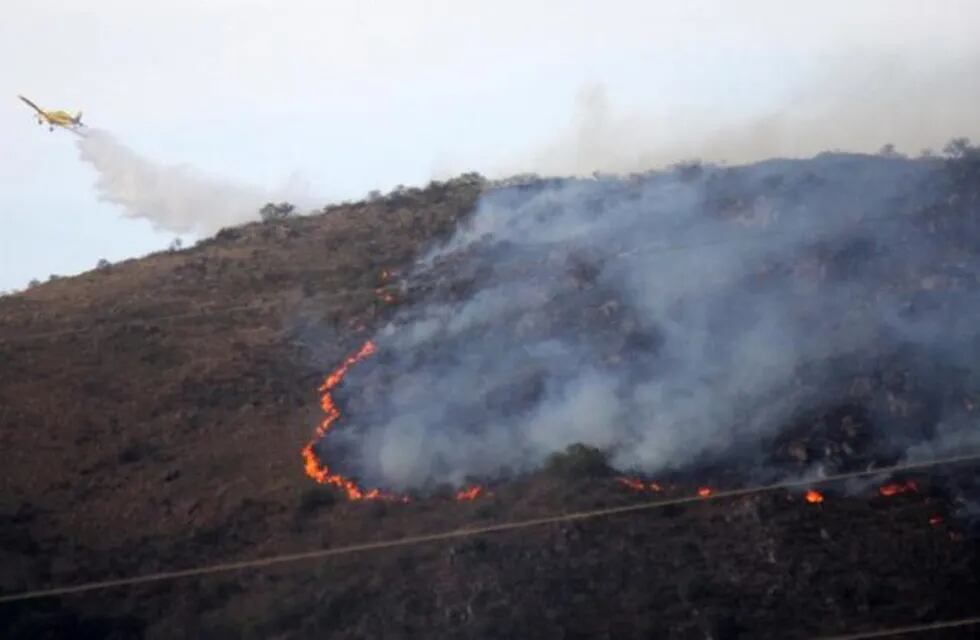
(78, 118)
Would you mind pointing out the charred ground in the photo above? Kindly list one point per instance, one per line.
(152, 413)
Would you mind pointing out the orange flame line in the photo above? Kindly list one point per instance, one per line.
(469, 494)
(894, 489)
(314, 468)
(639, 485)
(632, 483)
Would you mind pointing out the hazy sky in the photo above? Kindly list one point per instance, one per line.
(360, 95)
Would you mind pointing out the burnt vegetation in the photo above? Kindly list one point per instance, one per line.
(152, 413)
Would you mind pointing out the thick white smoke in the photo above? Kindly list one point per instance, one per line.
(176, 198)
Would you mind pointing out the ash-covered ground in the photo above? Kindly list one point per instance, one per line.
(698, 327)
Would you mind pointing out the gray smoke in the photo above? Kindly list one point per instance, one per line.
(664, 318)
(912, 102)
(176, 198)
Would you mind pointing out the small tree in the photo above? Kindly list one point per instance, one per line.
(689, 170)
(272, 211)
(102, 264)
(33, 283)
(958, 148)
(963, 166)
(577, 461)
(888, 151)
(175, 245)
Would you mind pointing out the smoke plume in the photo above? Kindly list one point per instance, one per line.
(176, 198)
(666, 318)
(913, 103)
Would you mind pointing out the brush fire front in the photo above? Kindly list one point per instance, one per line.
(320, 472)
(810, 496)
(534, 340)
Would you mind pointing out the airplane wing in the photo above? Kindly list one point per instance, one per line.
(32, 105)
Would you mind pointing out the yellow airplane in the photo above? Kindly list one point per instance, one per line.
(55, 118)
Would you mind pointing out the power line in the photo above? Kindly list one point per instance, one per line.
(894, 631)
(318, 554)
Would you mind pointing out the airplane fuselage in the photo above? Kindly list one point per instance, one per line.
(59, 118)
(55, 118)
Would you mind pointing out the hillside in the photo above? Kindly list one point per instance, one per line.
(152, 413)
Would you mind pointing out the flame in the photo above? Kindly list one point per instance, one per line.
(894, 489)
(311, 463)
(814, 497)
(469, 494)
(632, 483)
(639, 485)
(381, 291)
(936, 520)
(704, 492)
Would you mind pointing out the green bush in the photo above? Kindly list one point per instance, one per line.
(578, 460)
(272, 211)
